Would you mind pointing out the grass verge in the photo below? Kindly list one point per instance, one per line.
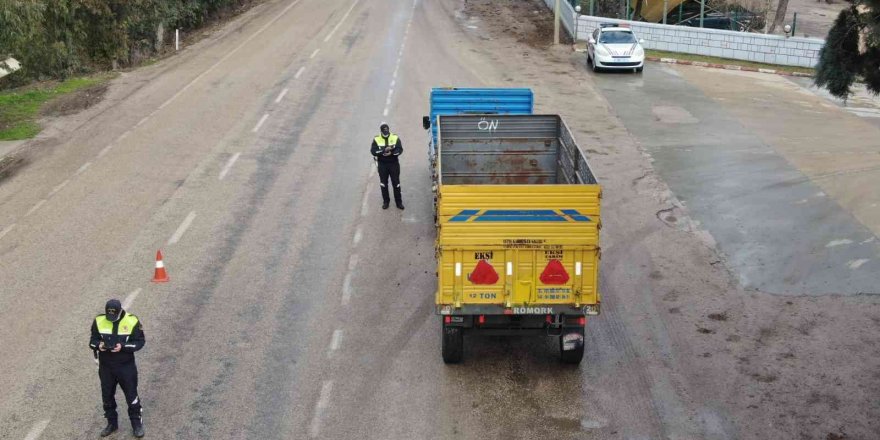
(19, 108)
(716, 60)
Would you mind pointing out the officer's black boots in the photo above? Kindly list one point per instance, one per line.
(399, 205)
(137, 428)
(109, 429)
(385, 205)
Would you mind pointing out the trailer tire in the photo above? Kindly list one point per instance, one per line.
(452, 346)
(576, 354)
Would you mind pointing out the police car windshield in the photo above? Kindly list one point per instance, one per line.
(617, 37)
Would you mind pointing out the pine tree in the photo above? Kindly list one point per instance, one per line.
(852, 50)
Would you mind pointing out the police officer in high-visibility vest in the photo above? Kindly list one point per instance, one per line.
(116, 335)
(386, 149)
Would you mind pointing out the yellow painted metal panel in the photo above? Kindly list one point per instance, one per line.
(455, 198)
(471, 229)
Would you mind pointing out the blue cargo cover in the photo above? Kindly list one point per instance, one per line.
(458, 101)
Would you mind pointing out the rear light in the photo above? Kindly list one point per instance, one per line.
(447, 319)
(554, 273)
(482, 319)
(484, 273)
(582, 320)
(549, 319)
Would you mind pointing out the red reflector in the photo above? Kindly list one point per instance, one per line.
(582, 320)
(482, 319)
(484, 273)
(554, 273)
(549, 319)
(508, 312)
(447, 319)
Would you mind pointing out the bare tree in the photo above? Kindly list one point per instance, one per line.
(781, 8)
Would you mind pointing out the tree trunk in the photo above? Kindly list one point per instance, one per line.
(637, 14)
(780, 15)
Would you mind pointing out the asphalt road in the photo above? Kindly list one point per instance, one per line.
(297, 308)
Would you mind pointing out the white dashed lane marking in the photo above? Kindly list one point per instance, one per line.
(834, 243)
(358, 234)
(228, 166)
(37, 430)
(346, 289)
(281, 96)
(182, 228)
(323, 403)
(336, 340)
(260, 123)
(129, 300)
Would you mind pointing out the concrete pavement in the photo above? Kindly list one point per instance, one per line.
(780, 178)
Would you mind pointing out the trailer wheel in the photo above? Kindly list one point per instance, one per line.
(452, 345)
(571, 345)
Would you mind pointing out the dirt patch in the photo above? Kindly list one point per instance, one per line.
(718, 316)
(527, 21)
(73, 103)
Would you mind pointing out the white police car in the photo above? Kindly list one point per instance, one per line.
(613, 46)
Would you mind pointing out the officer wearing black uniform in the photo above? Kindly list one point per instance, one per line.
(386, 148)
(116, 335)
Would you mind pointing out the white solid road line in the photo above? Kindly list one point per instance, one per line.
(299, 72)
(105, 150)
(260, 124)
(336, 340)
(229, 54)
(82, 168)
(229, 164)
(330, 35)
(35, 207)
(352, 261)
(59, 187)
(127, 302)
(314, 53)
(37, 430)
(323, 402)
(182, 228)
(346, 289)
(281, 95)
(6, 230)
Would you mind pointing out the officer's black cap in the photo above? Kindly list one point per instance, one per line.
(112, 309)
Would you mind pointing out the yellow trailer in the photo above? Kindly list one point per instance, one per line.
(518, 219)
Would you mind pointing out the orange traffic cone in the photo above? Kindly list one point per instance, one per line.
(161, 276)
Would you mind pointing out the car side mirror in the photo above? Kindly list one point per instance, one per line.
(426, 122)
(591, 40)
(642, 41)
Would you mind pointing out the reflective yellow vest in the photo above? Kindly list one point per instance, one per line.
(126, 326)
(380, 141)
